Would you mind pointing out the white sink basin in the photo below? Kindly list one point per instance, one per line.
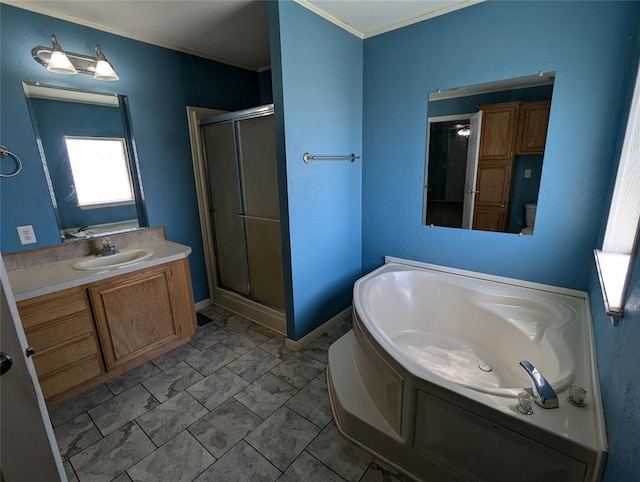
(122, 258)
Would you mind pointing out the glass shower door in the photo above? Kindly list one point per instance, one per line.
(261, 215)
(226, 203)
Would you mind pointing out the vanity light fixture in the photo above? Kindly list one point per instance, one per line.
(55, 59)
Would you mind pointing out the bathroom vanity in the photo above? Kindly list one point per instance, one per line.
(85, 326)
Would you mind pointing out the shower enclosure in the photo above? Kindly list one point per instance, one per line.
(240, 160)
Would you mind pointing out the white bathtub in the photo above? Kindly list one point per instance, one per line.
(428, 379)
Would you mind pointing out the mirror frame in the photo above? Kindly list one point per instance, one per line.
(132, 158)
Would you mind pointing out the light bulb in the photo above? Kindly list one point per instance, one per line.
(59, 62)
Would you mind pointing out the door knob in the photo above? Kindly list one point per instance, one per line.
(5, 363)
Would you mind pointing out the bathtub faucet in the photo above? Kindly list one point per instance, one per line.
(544, 394)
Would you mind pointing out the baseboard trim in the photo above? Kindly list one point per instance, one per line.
(201, 305)
(326, 326)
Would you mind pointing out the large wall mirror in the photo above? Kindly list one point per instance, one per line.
(485, 150)
(89, 160)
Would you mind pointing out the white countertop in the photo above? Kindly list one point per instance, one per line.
(49, 278)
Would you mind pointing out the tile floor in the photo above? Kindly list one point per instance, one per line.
(234, 404)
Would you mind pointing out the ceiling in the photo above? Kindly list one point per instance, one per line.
(231, 31)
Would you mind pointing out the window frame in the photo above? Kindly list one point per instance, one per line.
(617, 257)
(127, 163)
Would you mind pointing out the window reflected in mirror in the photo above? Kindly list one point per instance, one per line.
(485, 151)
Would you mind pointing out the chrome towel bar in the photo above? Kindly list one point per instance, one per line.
(4, 152)
(307, 158)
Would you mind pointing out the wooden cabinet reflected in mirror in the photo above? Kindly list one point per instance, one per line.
(485, 154)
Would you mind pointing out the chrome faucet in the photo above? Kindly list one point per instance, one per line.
(108, 248)
(543, 393)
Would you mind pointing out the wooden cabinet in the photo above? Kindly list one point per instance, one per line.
(507, 129)
(59, 327)
(532, 127)
(93, 332)
(495, 165)
(498, 132)
(141, 311)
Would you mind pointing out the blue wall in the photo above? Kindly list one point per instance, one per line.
(159, 83)
(57, 119)
(619, 369)
(318, 90)
(585, 43)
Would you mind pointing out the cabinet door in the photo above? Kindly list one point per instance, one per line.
(497, 139)
(488, 219)
(134, 314)
(492, 198)
(532, 127)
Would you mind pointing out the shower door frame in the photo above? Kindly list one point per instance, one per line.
(232, 301)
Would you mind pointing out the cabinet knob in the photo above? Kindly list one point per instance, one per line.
(29, 352)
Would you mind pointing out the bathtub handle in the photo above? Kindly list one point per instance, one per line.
(544, 394)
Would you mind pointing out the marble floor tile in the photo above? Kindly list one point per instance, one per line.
(308, 469)
(181, 459)
(65, 411)
(318, 349)
(111, 456)
(122, 478)
(240, 464)
(123, 408)
(171, 382)
(208, 335)
(375, 473)
(339, 330)
(298, 369)
(312, 402)
(263, 330)
(131, 378)
(276, 347)
(236, 323)
(221, 429)
(76, 435)
(253, 364)
(217, 388)
(68, 470)
(211, 359)
(282, 437)
(322, 375)
(216, 313)
(175, 356)
(342, 456)
(266, 395)
(244, 341)
(171, 417)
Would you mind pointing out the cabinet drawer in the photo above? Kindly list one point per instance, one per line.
(55, 333)
(44, 309)
(71, 377)
(62, 356)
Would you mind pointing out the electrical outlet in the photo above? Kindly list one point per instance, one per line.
(527, 173)
(27, 236)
